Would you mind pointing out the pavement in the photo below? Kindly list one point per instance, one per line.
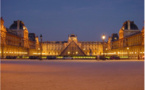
(21, 74)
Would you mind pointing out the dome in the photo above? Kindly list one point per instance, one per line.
(18, 25)
(129, 25)
(72, 35)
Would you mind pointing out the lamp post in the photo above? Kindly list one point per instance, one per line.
(2, 51)
(128, 51)
(2, 48)
(41, 47)
(103, 38)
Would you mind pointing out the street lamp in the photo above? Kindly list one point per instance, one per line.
(41, 47)
(2, 51)
(128, 51)
(103, 38)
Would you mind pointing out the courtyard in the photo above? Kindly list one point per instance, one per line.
(20, 74)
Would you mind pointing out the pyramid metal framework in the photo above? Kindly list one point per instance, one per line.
(72, 49)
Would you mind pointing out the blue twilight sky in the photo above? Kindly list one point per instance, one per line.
(88, 19)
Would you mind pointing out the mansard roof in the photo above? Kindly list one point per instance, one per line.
(17, 25)
(129, 25)
(72, 35)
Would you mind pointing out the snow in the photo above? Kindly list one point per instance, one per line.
(72, 75)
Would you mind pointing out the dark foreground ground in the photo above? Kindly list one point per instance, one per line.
(72, 75)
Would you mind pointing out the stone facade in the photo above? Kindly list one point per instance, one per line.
(15, 40)
(130, 43)
(72, 47)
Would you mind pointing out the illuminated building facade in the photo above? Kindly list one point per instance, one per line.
(129, 43)
(15, 40)
(72, 47)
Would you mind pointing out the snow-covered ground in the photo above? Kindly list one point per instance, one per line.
(72, 75)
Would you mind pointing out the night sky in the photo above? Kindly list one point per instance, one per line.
(88, 19)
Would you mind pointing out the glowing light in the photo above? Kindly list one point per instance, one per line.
(103, 36)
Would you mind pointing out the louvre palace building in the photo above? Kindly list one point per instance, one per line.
(17, 41)
(129, 43)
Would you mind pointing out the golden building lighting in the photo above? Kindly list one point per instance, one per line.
(17, 41)
(129, 43)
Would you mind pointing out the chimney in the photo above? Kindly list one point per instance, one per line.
(128, 24)
(18, 24)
